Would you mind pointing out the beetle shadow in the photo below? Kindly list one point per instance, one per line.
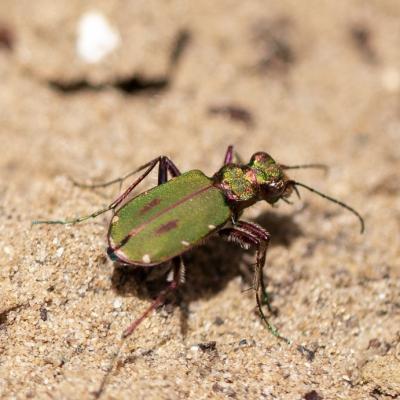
(209, 268)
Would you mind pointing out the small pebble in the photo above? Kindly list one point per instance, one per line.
(390, 79)
(117, 303)
(59, 252)
(8, 250)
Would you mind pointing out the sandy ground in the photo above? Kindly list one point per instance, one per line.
(309, 81)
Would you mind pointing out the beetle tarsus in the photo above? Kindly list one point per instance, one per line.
(75, 220)
(274, 331)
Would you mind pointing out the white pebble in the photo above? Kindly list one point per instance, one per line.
(59, 252)
(96, 38)
(117, 303)
(8, 250)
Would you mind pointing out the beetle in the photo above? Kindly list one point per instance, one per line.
(159, 225)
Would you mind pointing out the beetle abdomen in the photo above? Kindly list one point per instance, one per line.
(167, 220)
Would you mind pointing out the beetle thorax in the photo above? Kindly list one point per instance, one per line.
(238, 183)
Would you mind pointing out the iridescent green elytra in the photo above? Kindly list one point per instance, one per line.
(168, 219)
(161, 224)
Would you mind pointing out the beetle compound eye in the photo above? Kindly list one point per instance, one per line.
(272, 189)
(261, 159)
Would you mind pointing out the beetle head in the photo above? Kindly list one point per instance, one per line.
(273, 184)
(271, 180)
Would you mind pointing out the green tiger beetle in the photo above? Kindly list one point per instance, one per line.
(161, 224)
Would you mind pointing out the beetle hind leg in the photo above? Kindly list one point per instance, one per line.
(165, 165)
(176, 279)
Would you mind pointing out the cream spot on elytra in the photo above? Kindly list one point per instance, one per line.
(146, 259)
(211, 226)
(185, 243)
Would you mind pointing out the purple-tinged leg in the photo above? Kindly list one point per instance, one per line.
(178, 272)
(120, 179)
(164, 162)
(228, 155)
(167, 164)
(264, 237)
(178, 277)
(247, 235)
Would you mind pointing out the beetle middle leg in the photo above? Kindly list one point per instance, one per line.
(166, 165)
(248, 235)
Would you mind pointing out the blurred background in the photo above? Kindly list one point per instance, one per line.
(93, 89)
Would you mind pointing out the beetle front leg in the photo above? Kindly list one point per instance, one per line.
(248, 235)
(230, 153)
(259, 282)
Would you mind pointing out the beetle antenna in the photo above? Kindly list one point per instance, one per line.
(333, 200)
(303, 166)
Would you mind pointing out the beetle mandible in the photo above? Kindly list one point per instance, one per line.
(161, 224)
